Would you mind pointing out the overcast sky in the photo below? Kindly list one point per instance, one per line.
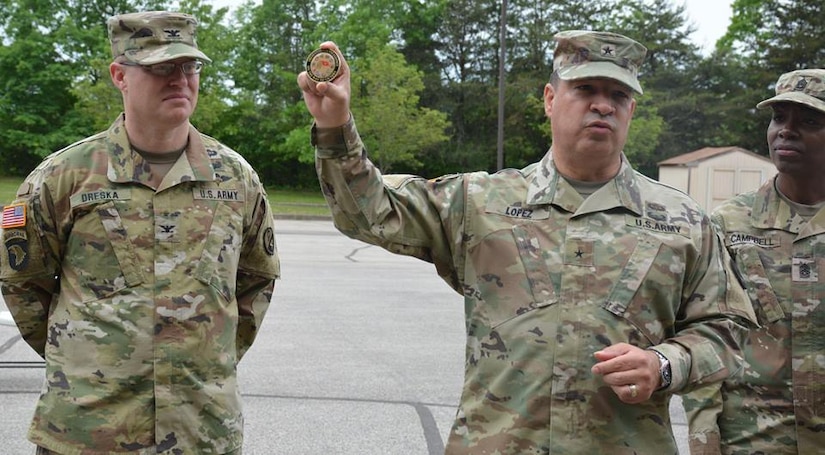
(711, 18)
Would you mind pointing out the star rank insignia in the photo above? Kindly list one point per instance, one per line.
(608, 51)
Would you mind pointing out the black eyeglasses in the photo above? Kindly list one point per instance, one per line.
(167, 68)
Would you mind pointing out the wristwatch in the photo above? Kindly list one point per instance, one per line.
(664, 370)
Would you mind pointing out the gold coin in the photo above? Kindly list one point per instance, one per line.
(323, 65)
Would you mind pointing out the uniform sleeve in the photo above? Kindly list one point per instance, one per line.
(29, 259)
(258, 269)
(713, 322)
(403, 214)
(703, 407)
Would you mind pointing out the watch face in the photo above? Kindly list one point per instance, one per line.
(666, 377)
(664, 368)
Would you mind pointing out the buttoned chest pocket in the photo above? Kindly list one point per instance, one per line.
(752, 269)
(647, 292)
(218, 265)
(512, 275)
(99, 260)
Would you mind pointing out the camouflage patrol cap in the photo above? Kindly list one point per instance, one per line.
(153, 37)
(801, 86)
(582, 54)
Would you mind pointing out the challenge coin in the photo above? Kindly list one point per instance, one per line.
(323, 65)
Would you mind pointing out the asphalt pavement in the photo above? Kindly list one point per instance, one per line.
(361, 353)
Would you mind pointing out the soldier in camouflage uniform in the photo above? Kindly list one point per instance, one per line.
(139, 264)
(592, 293)
(776, 236)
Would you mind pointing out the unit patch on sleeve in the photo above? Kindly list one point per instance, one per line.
(269, 241)
(14, 216)
(17, 247)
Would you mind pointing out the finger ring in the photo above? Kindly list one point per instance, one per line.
(633, 391)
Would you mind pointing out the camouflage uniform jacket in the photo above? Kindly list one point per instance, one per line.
(141, 301)
(777, 406)
(548, 279)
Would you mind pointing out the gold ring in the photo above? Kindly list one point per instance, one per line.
(633, 391)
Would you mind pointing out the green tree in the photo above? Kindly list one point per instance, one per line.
(417, 28)
(765, 39)
(749, 28)
(35, 98)
(802, 32)
(264, 47)
(667, 116)
(51, 62)
(36, 92)
(395, 129)
(529, 43)
(249, 99)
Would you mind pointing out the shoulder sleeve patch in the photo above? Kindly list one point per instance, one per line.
(14, 216)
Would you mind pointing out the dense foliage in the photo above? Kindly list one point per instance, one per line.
(425, 76)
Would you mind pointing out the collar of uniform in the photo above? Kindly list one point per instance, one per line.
(769, 211)
(122, 165)
(542, 188)
(549, 187)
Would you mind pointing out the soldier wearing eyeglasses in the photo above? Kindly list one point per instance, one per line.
(139, 263)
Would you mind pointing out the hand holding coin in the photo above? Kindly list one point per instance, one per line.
(325, 86)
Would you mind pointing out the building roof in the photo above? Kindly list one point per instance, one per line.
(694, 157)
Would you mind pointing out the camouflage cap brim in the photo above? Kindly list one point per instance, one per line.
(153, 37)
(590, 54)
(159, 54)
(794, 97)
(805, 86)
(600, 70)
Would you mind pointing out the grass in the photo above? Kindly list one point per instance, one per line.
(293, 203)
(299, 203)
(8, 188)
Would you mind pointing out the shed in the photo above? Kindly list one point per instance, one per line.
(712, 175)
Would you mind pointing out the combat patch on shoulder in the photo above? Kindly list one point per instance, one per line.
(654, 225)
(268, 240)
(17, 248)
(14, 216)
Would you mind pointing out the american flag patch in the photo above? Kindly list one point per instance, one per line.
(14, 216)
